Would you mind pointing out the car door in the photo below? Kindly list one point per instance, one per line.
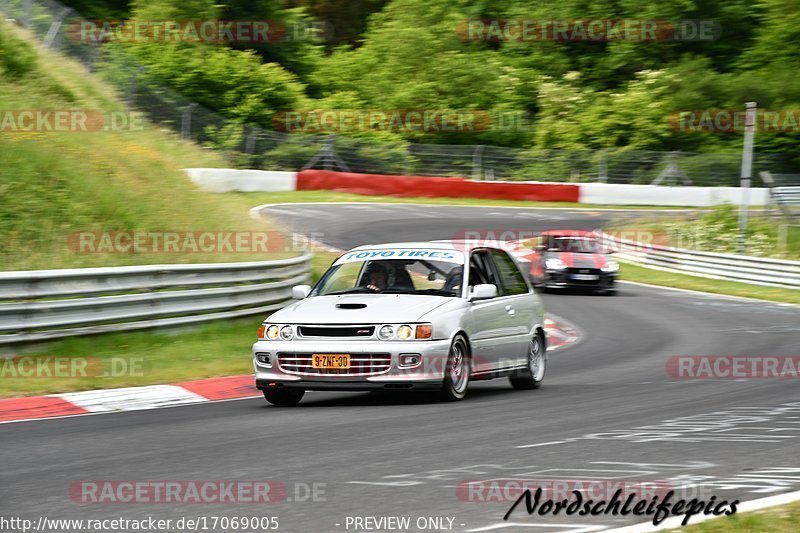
(518, 297)
(493, 321)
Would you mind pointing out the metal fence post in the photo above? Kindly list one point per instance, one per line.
(186, 121)
(747, 167)
(602, 171)
(673, 172)
(574, 169)
(27, 17)
(250, 141)
(55, 27)
(132, 89)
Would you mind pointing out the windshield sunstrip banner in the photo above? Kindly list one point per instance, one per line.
(449, 256)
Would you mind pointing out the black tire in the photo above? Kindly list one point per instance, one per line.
(457, 371)
(284, 397)
(532, 376)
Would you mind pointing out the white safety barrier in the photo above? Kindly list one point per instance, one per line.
(45, 304)
(232, 180)
(688, 196)
(741, 268)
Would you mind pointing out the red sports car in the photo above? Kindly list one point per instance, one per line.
(572, 258)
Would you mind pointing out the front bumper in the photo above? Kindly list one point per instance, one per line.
(568, 279)
(427, 375)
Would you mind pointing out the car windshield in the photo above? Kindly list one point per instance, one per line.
(392, 276)
(584, 245)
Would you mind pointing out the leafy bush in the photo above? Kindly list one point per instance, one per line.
(718, 231)
(16, 57)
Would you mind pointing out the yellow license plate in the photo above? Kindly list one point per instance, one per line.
(331, 361)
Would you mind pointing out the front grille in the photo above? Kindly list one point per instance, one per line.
(336, 331)
(361, 364)
(588, 271)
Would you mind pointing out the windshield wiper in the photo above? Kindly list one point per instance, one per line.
(418, 291)
(351, 291)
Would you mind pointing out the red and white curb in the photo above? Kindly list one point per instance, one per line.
(559, 334)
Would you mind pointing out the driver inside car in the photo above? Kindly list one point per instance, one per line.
(377, 277)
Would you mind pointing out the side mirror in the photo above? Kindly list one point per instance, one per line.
(300, 291)
(483, 291)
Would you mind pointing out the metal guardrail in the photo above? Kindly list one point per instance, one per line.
(741, 268)
(47, 304)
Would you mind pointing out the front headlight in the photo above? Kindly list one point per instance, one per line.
(404, 332)
(386, 332)
(272, 332)
(554, 263)
(611, 266)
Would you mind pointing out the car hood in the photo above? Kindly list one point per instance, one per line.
(581, 260)
(359, 309)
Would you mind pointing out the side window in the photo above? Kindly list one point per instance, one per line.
(512, 279)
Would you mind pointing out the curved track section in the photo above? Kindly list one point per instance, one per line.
(608, 411)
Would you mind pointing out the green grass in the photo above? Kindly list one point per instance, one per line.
(631, 272)
(333, 196)
(53, 185)
(783, 519)
(216, 349)
(717, 231)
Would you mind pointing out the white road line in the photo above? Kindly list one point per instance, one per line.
(542, 444)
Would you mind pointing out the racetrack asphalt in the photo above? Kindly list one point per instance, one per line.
(608, 410)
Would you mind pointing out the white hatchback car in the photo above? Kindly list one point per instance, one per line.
(428, 315)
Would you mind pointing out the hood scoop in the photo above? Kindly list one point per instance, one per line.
(351, 306)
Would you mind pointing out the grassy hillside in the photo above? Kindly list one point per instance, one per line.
(55, 184)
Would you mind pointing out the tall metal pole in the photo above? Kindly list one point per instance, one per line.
(747, 167)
